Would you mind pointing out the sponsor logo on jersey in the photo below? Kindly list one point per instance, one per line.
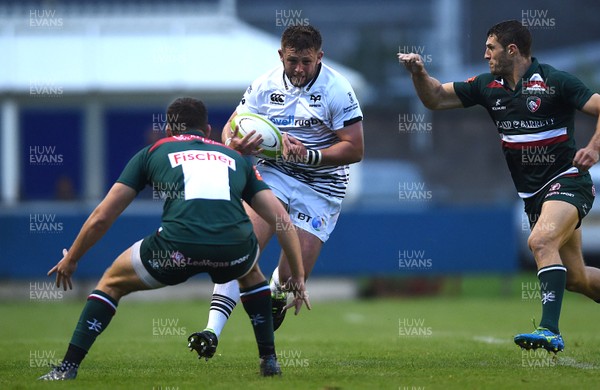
(277, 98)
(353, 104)
(179, 158)
(536, 85)
(292, 121)
(498, 106)
(555, 187)
(524, 124)
(533, 103)
(351, 97)
(315, 99)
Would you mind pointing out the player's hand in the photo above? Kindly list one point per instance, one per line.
(296, 286)
(249, 145)
(585, 158)
(293, 150)
(64, 269)
(412, 62)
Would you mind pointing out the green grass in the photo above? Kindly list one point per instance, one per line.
(465, 343)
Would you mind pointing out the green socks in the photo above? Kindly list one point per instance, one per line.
(257, 303)
(95, 317)
(553, 280)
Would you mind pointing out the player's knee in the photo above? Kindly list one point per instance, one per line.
(252, 277)
(114, 293)
(539, 243)
(114, 287)
(534, 243)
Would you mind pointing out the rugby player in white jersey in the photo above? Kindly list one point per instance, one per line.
(317, 111)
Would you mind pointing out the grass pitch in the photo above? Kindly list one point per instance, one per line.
(459, 342)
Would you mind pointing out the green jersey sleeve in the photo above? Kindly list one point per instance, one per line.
(573, 91)
(469, 92)
(254, 184)
(134, 174)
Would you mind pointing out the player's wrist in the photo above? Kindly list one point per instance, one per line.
(313, 157)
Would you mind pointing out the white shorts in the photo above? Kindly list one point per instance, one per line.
(309, 210)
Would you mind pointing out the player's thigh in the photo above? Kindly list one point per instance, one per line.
(555, 225)
(120, 278)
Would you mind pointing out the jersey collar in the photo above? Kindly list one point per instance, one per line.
(194, 132)
(290, 87)
(532, 74)
(533, 68)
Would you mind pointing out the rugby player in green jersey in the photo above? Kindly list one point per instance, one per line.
(533, 106)
(204, 228)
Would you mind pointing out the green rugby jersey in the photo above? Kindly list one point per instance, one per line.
(202, 184)
(535, 121)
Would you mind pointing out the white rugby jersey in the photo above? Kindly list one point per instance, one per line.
(312, 114)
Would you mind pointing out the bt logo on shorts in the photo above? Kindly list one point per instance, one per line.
(317, 223)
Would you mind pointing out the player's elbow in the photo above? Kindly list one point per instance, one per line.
(358, 156)
(100, 221)
(431, 105)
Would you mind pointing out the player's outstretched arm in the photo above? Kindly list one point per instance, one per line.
(99, 221)
(433, 94)
(588, 156)
(248, 146)
(271, 210)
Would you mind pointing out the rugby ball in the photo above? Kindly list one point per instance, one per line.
(272, 144)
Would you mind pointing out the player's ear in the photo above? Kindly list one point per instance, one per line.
(280, 55)
(208, 131)
(320, 56)
(512, 49)
(168, 131)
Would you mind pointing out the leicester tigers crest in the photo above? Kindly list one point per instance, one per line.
(533, 103)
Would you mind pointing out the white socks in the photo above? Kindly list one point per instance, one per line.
(224, 298)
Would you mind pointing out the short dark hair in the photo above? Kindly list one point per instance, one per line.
(512, 31)
(186, 114)
(301, 38)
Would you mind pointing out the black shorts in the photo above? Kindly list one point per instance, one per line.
(577, 190)
(162, 262)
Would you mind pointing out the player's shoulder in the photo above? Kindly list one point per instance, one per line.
(542, 67)
(219, 147)
(267, 80)
(550, 73)
(329, 77)
(482, 79)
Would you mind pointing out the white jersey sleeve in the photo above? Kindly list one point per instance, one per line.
(342, 103)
